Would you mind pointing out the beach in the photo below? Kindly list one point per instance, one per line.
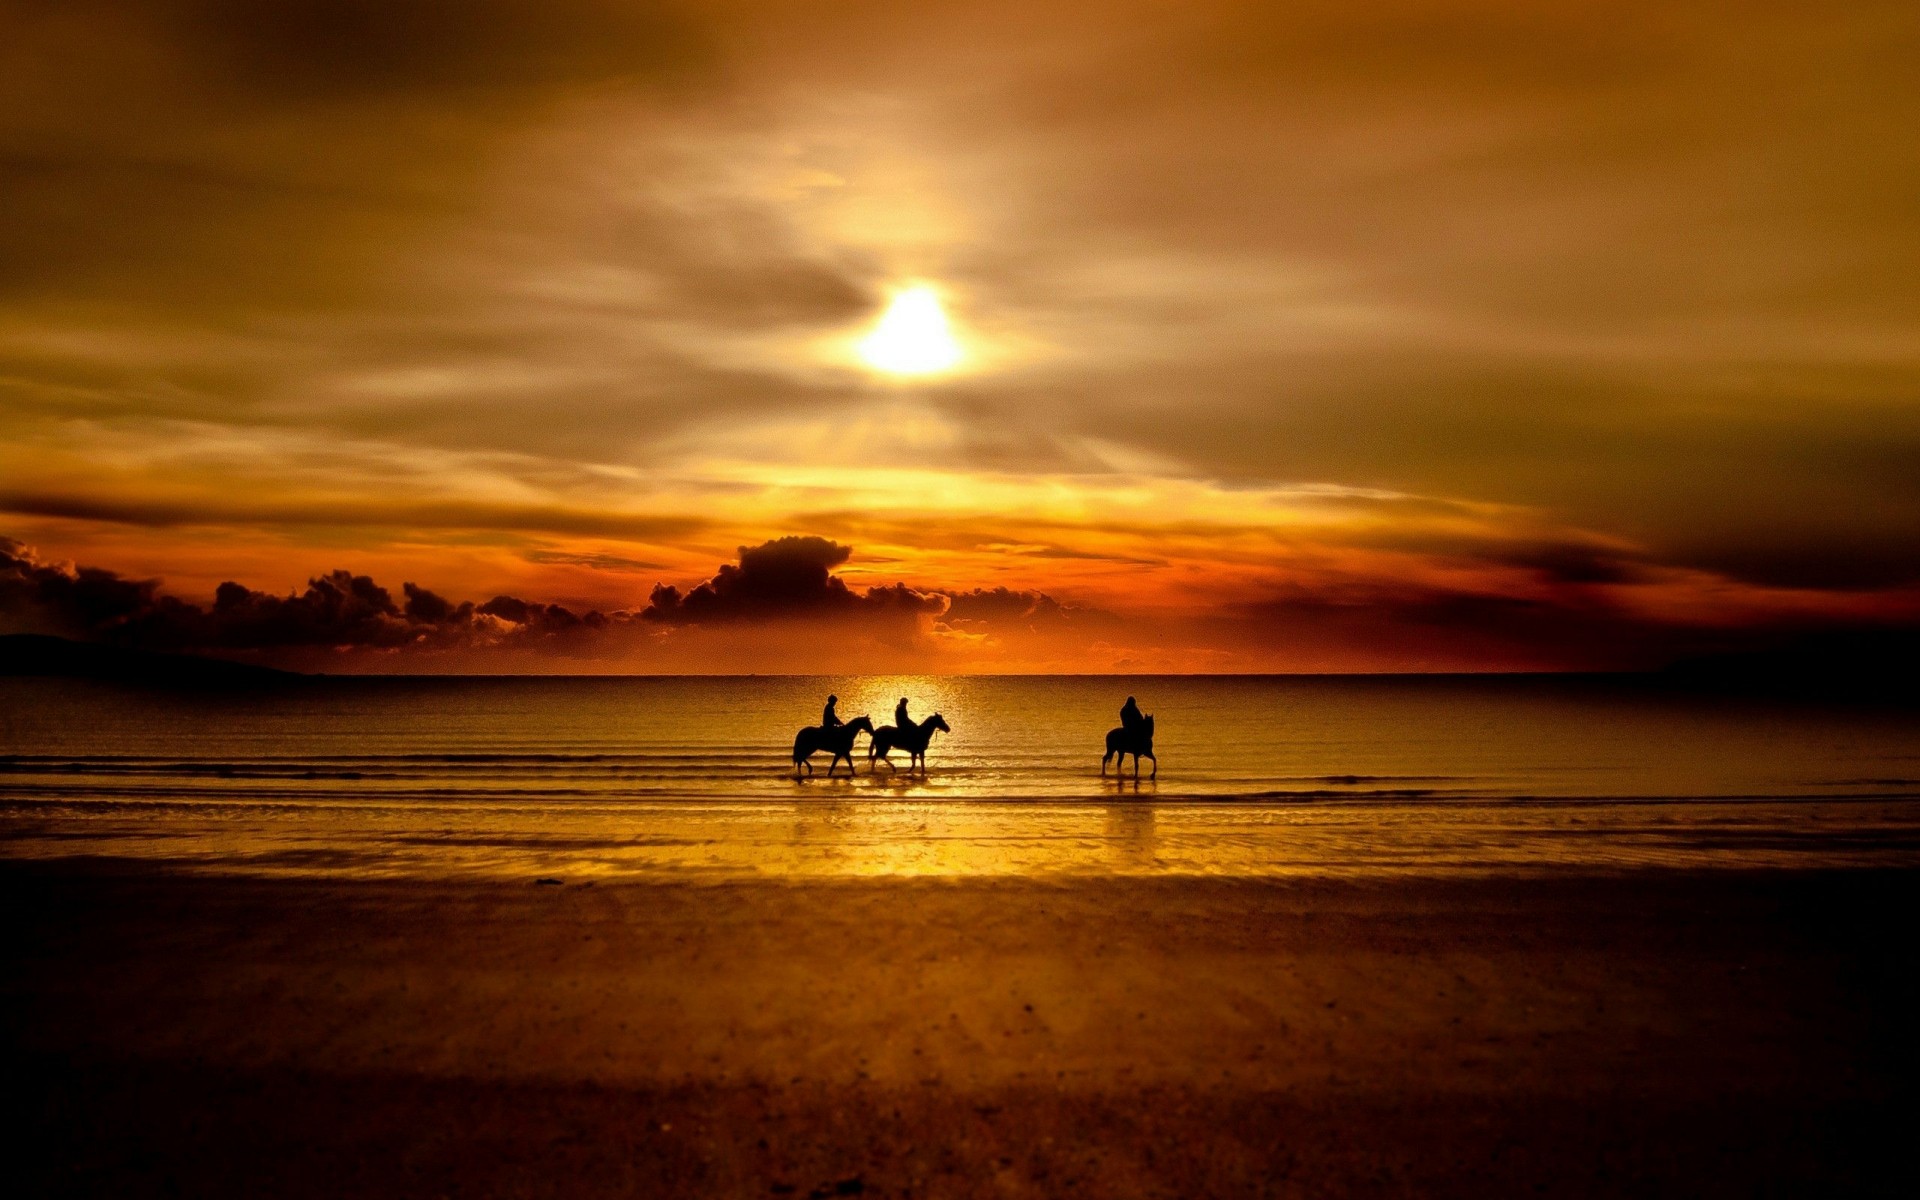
(586, 938)
(1650, 1033)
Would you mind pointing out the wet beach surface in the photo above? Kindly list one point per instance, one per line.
(1645, 1032)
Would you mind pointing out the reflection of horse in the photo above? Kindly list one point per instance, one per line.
(912, 738)
(1137, 742)
(837, 739)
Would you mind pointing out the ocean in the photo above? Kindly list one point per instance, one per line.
(584, 779)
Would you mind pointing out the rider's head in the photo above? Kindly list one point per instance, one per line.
(833, 699)
(1129, 699)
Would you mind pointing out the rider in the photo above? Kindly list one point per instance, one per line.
(1130, 718)
(829, 718)
(900, 718)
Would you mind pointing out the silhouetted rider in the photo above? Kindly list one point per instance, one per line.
(900, 718)
(1130, 718)
(829, 718)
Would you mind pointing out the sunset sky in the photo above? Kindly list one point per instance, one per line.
(1406, 336)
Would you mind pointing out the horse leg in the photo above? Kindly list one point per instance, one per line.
(1155, 773)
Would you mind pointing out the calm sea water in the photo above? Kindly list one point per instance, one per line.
(595, 778)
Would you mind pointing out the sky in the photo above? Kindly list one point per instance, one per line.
(554, 336)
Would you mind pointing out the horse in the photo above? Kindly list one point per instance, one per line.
(835, 738)
(1137, 742)
(913, 739)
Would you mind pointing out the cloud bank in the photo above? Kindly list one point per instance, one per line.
(782, 606)
(338, 615)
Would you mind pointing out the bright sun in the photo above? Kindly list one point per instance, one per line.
(913, 337)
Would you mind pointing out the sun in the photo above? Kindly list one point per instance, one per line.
(912, 336)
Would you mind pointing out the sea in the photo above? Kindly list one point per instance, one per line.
(579, 780)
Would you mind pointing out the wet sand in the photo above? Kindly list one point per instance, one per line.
(1647, 1033)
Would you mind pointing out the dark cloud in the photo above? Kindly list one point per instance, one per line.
(337, 612)
(38, 597)
(788, 577)
(223, 506)
(1002, 606)
(342, 612)
(428, 608)
(1571, 563)
(596, 562)
(1422, 629)
(325, 48)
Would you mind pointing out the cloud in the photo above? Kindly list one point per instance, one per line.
(789, 577)
(788, 581)
(63, 599)
(337, 613)
(303, 49)
(1004, 608)
(596, 562)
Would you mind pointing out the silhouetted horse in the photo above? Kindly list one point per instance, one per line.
(1137, 742)
(913, 739)
(838, 739)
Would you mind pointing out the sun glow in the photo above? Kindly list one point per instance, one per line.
(912, 337)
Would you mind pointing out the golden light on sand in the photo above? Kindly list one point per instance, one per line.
(912, 336)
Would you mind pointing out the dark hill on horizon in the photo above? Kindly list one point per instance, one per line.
(1880, 667)
(42, 655)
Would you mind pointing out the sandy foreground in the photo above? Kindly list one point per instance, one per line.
(1642, 1034)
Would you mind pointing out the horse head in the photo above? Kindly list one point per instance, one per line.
(1146, 726)
(860, 723)
(936, 721)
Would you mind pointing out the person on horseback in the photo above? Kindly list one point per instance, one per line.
(1135, 737)
(900, 718)
(829, 718)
